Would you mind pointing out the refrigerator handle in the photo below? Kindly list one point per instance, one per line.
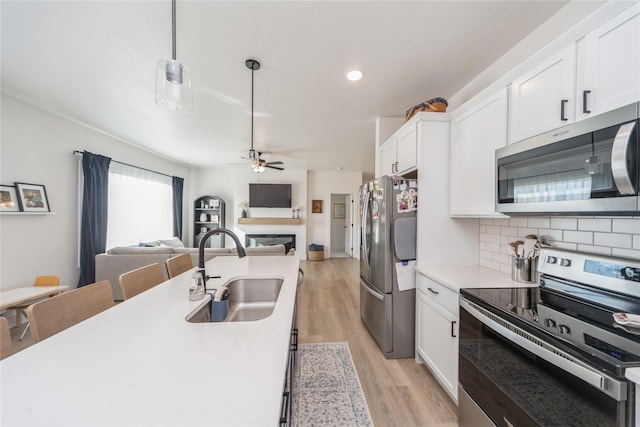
(363, 225)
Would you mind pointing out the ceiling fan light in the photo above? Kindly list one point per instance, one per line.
(173, 86)
(258, 168)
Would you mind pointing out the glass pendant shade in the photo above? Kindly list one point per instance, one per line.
(173, 86)
(259, 168)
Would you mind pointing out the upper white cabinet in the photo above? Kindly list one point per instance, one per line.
(543, 98)
(400, 152)
(597, 73)
(475, 135)
(609, 65)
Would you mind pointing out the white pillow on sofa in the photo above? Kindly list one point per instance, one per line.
(174, 242)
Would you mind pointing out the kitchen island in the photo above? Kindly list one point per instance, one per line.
(141, 363)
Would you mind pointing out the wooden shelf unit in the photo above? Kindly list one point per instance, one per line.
(272, 221)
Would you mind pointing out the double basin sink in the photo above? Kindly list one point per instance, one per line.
(250, 299)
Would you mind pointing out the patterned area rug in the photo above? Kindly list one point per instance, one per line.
(327, 391)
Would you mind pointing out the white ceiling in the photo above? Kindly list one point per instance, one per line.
(94, 62)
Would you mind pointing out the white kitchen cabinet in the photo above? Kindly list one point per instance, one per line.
(475, 135)
(609, 65)
(543, 98)
(399, 153)
(437, 316)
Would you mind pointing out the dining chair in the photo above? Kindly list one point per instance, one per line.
(141, 279)
(6, 346)
(62, 311)
(178, 265)
(21, 309)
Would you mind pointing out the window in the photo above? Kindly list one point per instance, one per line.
(140, 206)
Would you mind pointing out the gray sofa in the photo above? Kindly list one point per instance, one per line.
(119, 260)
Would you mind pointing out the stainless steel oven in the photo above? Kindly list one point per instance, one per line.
(552, 355)
(590, 167)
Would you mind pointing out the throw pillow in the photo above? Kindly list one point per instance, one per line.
(174, 242)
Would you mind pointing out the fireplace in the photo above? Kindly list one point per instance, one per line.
(289, 240)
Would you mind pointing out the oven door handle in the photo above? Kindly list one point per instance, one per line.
(619, 151)
(607, 385)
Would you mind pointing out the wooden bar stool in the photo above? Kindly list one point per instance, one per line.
(141, 279)
(6, 345)
(178, 265)
(56, 314)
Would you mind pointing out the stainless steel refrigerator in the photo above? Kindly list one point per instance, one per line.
(387, 253)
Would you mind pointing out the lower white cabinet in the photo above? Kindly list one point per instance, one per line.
(437, 315)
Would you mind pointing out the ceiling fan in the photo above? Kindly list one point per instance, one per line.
(255, 162)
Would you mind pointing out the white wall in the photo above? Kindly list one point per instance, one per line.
(37, 148)
(321, 184)
(232, 184)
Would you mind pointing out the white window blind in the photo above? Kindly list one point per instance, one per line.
(140, 206)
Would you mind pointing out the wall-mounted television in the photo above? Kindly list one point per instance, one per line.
(270, 195)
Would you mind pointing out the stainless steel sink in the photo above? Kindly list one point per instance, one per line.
(250, 299)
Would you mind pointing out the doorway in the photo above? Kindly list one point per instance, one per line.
(342, 225)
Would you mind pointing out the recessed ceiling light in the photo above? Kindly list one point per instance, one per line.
(354, 75)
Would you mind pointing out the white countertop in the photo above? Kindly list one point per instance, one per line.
(141, 363)
(633, 374)
(456, 277)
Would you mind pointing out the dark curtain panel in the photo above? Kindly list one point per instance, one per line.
(177, 184)
(93, 232)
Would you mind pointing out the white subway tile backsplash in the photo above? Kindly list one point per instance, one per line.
(600, 250)
(566, 246)
(578, 237)
(522, 232)
(597, 235)
(509, 231)
(615, 240)
(626, 225)
(564, 223)
(518, 222)
(592, 224)
(626, 253)
(493, 229)
(551, 235)
(538, 222)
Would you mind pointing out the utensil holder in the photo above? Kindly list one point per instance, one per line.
(524, 270)
(219, 310)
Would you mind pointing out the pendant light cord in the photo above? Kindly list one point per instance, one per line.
(173, 27)
(252, 71)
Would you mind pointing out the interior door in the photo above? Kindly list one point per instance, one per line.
(348, 225)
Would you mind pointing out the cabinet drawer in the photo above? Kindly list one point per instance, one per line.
(438, 293)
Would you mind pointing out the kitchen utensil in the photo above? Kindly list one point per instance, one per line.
(529, 246)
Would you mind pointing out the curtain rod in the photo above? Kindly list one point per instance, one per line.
(127, 164)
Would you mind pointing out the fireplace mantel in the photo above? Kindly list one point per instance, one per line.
(264, 220)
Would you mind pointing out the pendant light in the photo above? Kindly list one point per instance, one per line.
(173, 80)
(254, 158)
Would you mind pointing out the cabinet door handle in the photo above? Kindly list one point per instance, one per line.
(563, 103)
(397, 168)
(453, 334)
(585, 99)
(432, 291)
(393, 167)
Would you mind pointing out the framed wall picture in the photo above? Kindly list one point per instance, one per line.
(8, 199)
(32, 197)
(316, 206)
(339, 210)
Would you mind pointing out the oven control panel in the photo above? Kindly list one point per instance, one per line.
(584, 335)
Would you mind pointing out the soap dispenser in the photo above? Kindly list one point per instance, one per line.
(196, 288)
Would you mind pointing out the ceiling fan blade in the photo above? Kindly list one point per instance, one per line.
(277, 162)
(273, 167)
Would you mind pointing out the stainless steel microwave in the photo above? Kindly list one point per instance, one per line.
(590, 167)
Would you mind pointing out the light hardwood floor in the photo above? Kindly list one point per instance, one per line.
(399, 392)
